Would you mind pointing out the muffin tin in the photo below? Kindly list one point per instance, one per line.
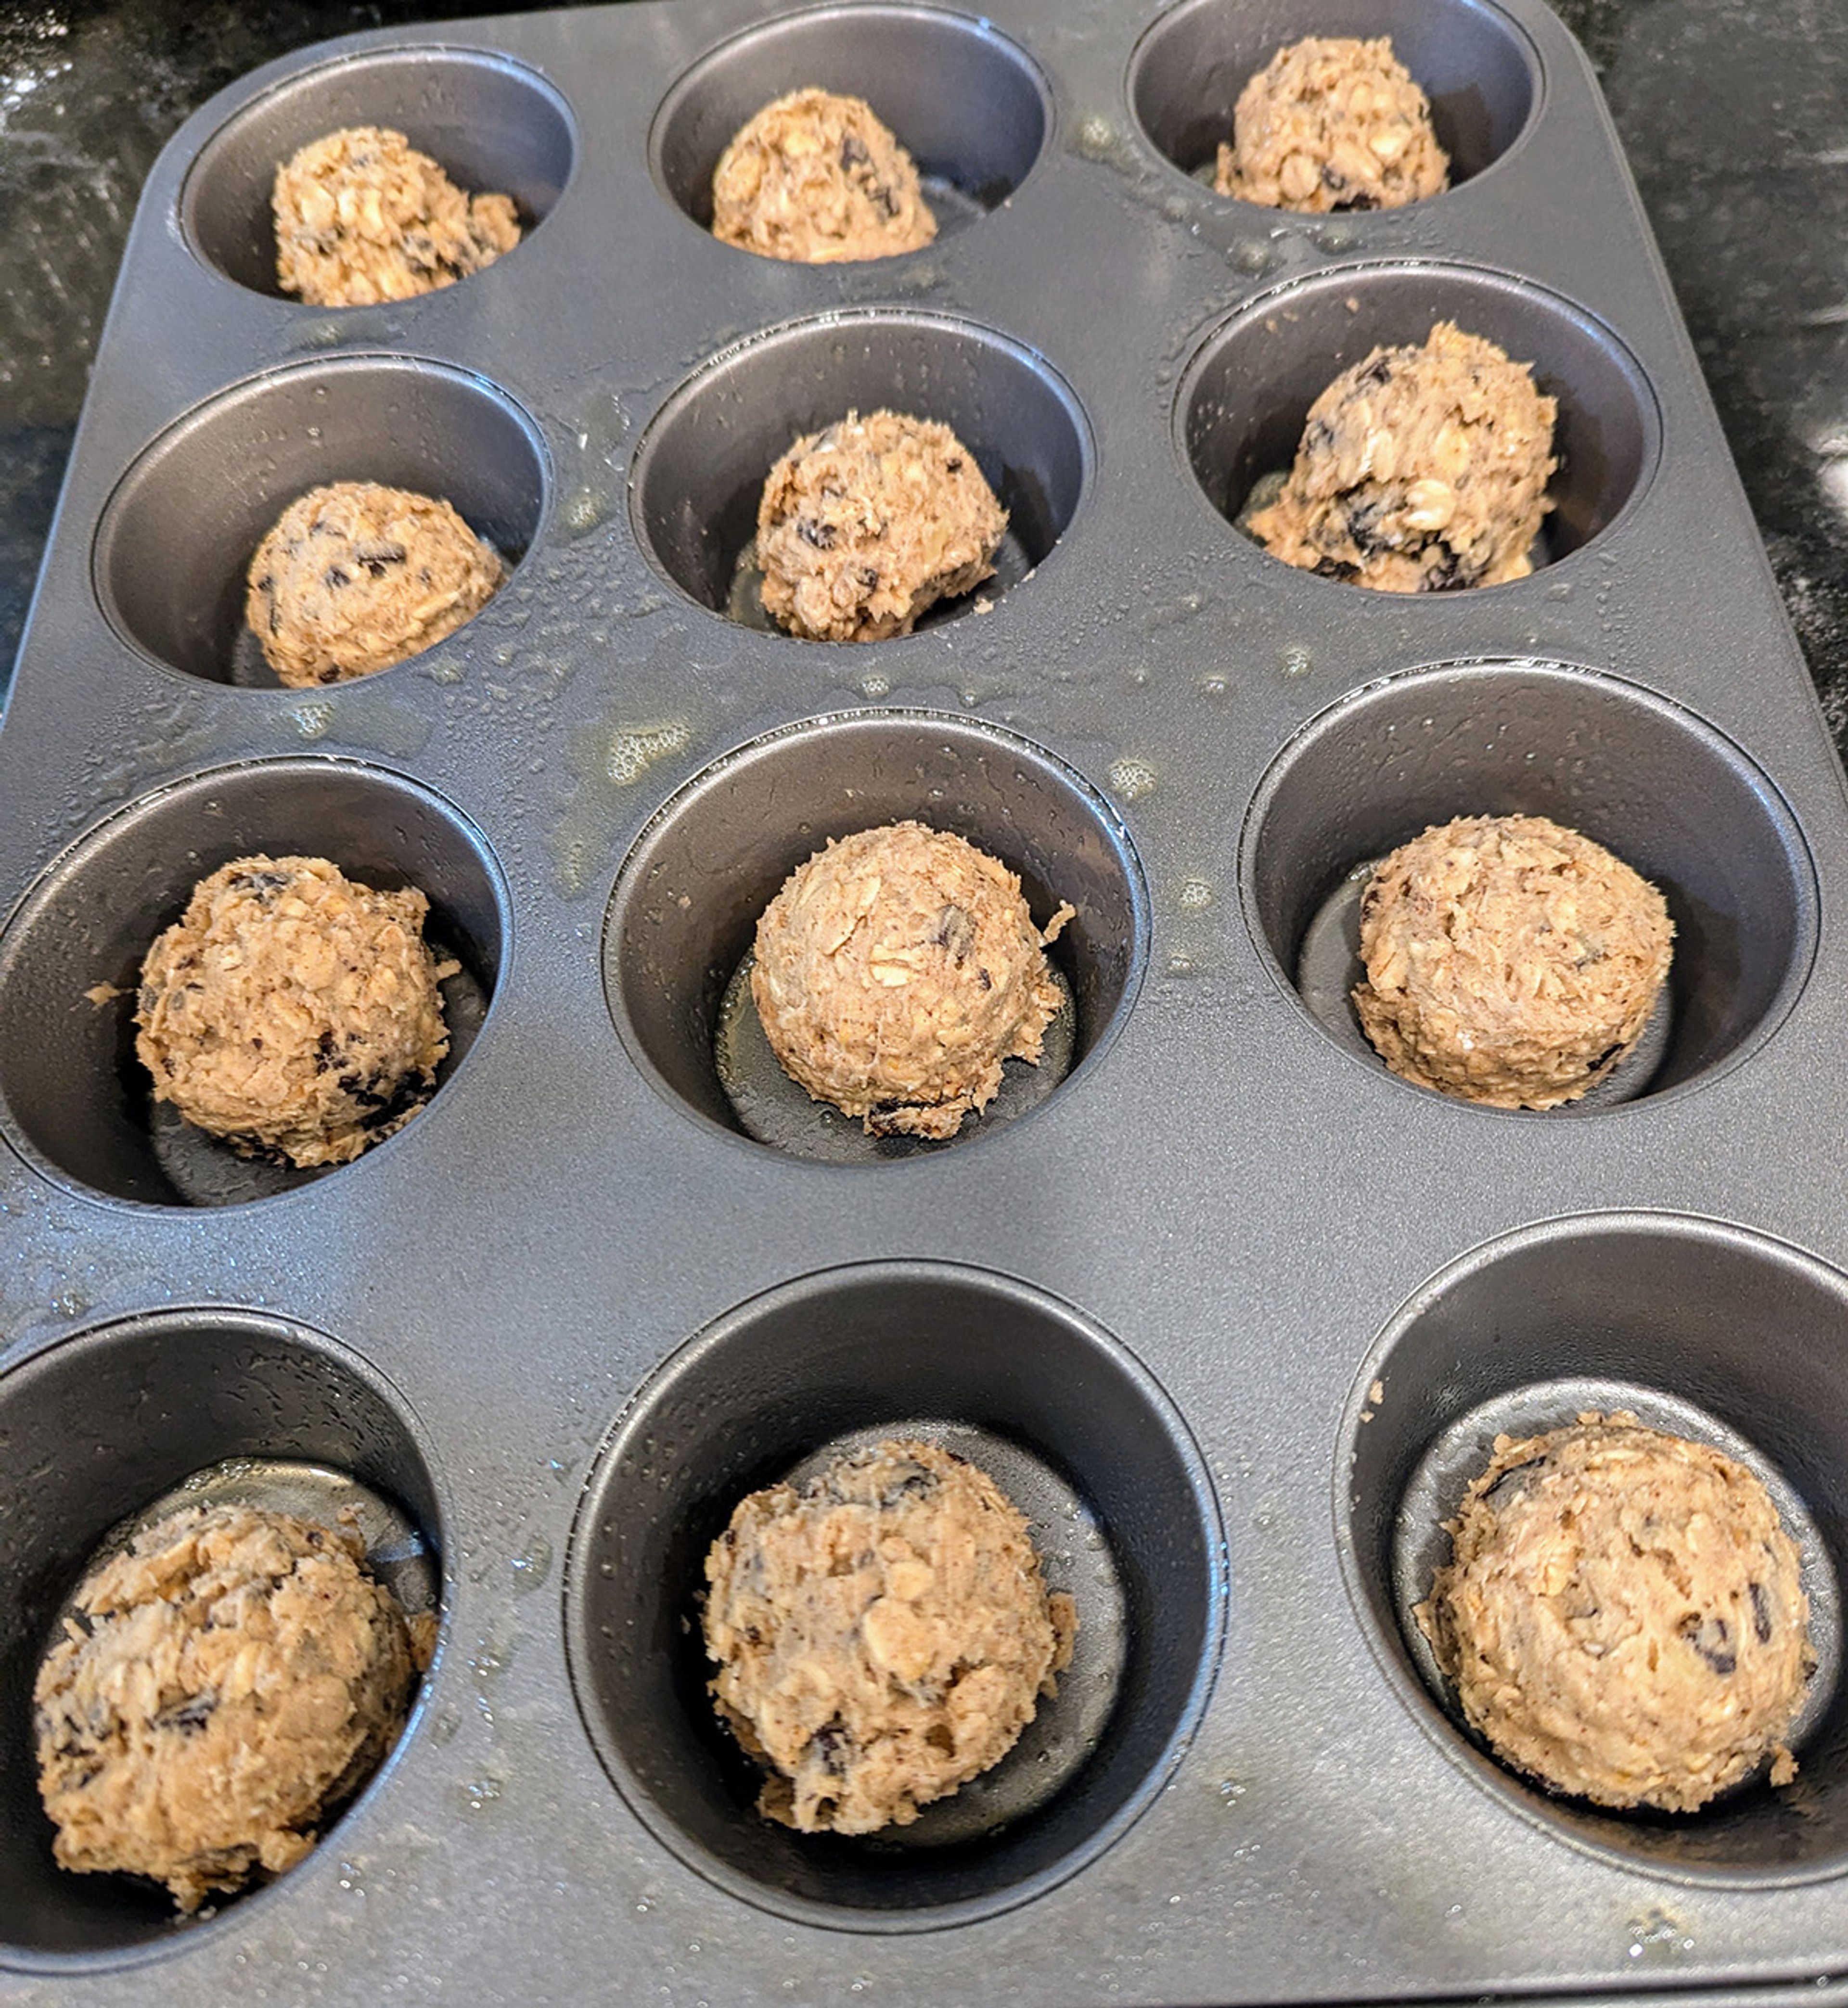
(1228, 1308)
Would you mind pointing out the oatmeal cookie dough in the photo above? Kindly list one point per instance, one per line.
(224, 1683)
(882, 1636)
(865, 526)
(818, 179)
(292, 1011)
(896, 970)
(361, 216)
(354, 576)
(1420, 470)
(1332, 124)
(1623, 1618)
(1508, 961)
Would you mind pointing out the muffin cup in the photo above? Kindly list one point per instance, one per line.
(74, 1096)
(102, 1424)
(699, 470)
(172, 556)
(968, 105)
(688, 895)
(1683, 1321)
(1473, 63)
(1652, 783)
(494, 127)
(1123, 1514)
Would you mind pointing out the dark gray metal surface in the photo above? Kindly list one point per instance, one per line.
(1175, 1284)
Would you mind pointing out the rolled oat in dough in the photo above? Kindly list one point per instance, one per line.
(1623, 1618)
(1420, 470)
(361, 216)
(865, 526)
(353, 577)
(1332, 124)
(225, 1684)
(818, 179)
(1508, 961)
(292, 1011)
(882, 1636)
(896, 970)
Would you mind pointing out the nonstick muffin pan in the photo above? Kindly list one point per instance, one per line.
(1229, 1309)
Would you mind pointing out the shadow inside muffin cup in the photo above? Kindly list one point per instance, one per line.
(699, 470)
(1653, 784)
(687, 900)
(105, 1424)
(1062, 1416)
(172, 554)
(1239, 414)
(74, 1094)
(969, 106)
(493, 125)
(1475, 65)
(1688, 1322)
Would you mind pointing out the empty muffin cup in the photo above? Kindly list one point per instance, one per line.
(1473, 62)
(491, 124)
(74, 1095)
(1072, 1429)
(682, 921)
(1702, 1330)
(170, 1409)
(700, 467)
(968, 105)
(1674, 798)
(1239, 412)
(174, 547)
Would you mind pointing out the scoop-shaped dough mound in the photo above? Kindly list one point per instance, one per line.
(354, 576)
(896, 970)
(1623, 1618)
(224, 1682)
(1420, 470)
(1332, 124)
(818, 179)
(292, 1011)
(865, 526)
(361, 216)
(1508, 961)
(882, 1636)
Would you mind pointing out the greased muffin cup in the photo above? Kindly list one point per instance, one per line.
(1232, 1312)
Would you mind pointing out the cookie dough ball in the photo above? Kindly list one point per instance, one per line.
(353, 578)
(817, 179)
(1420, 470)
(1332, 124)
(896, 970)
(866, 525)
(882, 1636)
(293, 1012)
(224, 1684)
(1623, 1618)
(362, 216)
(1508, 961)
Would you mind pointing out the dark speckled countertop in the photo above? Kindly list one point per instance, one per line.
(1734, 117)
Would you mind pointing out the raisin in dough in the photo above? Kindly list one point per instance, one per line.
(817, 179)
(1332, 124)
(223, 1684)
(866, 525)
(882, 1636)
(1508, 960)
(1420, 470)
(353, 578)
(896, 970)
(1623, 1618)
(292, 1011)
(361, 216)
